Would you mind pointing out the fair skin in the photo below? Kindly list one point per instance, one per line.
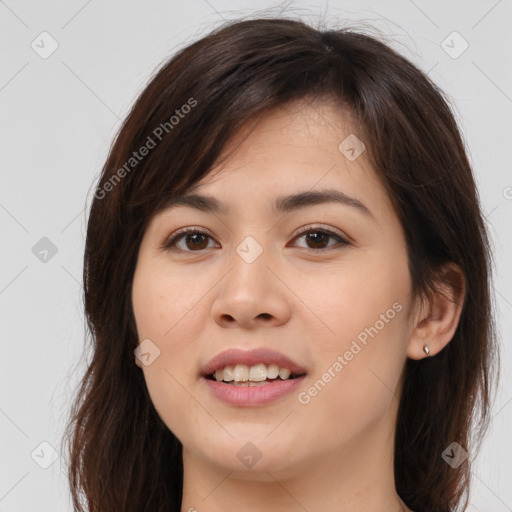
(198, 298)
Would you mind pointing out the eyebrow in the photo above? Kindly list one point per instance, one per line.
(283, 204)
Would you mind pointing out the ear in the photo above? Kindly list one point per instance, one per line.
(439, 313)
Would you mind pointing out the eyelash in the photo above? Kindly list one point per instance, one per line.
(170, 242)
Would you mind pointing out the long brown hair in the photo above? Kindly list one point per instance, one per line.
(121, 455)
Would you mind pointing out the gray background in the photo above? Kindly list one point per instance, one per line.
(59, 115)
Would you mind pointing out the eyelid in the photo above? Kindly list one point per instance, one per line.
(320, 227)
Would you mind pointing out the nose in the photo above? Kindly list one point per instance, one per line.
(251, 295)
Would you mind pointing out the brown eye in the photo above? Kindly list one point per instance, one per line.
(193, 240)
(318, 239)
(196, 241)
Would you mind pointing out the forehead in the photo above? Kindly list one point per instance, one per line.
(292, 157)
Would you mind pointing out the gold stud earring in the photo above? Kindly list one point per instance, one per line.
(426, 349)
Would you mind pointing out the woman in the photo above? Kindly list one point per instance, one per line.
(287, 284)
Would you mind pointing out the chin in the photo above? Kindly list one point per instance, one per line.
(250, 456)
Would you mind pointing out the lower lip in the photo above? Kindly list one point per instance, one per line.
(247, 396)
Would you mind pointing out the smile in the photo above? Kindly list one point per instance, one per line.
(241, 374)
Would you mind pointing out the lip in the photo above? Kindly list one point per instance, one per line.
(235, 356)
(251, 396)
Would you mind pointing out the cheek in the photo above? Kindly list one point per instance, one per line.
(164, 311)
(364, 306)
(163, 300)
(369, 290)
(354, 383)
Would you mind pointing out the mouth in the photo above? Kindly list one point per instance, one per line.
(255, 375)
(251, 378)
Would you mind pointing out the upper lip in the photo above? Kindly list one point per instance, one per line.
(235, 356)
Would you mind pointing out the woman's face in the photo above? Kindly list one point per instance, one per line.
(331, 298)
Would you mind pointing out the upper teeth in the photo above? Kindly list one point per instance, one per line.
(256, 373)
